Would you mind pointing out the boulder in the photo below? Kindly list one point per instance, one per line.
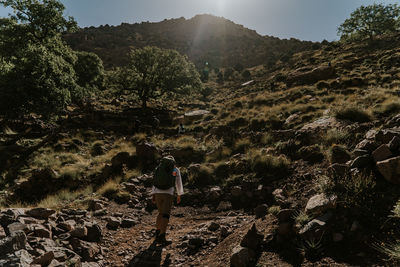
(361, 162)
(339, 155)
(44, 259)
(261, 210)
(127, 223)
(368, 145)
(195, 115)
(390, 169)
(40, 213)
(96, 204)
(20, 258)
(320, 203)
(303, 76)
(88, 251)
(214, 194)
(213, 226)
(113, 223)
(381, 153)
(315, 228)
(79, 232)
(147, 151)
(94, 232)
(394, 144)
(252, 239)
(17, 226)
(12, 243)
(241, 256)
(386, 135)
(40, 230)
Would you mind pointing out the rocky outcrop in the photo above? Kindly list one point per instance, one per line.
(305, 76)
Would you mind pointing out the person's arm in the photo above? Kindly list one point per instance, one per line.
(178, 185)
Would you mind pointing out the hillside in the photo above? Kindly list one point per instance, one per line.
(307, 151)
(203, 38)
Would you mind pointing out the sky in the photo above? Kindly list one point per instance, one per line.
(313, 20)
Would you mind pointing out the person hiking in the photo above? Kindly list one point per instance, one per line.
(166, 177)
(181, 129)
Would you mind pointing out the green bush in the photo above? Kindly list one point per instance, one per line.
(202, 177)
(353, 114)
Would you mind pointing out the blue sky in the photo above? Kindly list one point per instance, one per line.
(303, 19)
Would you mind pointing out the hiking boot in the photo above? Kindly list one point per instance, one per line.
(162, 240)
(157, 233)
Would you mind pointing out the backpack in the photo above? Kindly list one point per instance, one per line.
(163, 178)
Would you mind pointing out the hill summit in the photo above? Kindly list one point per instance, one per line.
(203, 38)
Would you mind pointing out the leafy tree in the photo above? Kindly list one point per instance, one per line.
(89, 69)
(369, 21)
(37, 74)
(154, 72)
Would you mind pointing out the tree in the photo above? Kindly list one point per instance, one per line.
(154, 72)
(38, 72)
(89, 69)
(370, 21)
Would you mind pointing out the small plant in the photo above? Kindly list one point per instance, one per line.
(353, 114)
(274, 210)
(268, 167)
(301, 218)
(396, 210)
(392, 250)
(336, 136)
(241, 145)
(312, 248)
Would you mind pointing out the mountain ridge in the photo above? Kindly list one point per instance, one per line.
(203, 38)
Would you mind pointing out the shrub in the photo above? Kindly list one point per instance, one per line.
(396, 210)
(267, 166)
(387, 109)
(311, 154)
(336, 136)
(241, 145)
(353, 114)
(202, 177)
(274, 210)
(301, 218)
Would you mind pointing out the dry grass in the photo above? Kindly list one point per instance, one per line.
(65, 197)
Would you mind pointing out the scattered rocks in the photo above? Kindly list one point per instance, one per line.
(320, 203)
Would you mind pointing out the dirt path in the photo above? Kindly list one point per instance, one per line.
(192, 239)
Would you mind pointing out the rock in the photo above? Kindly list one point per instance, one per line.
(79, 232)
(147, 151)
(338, 170)
(279, 196)
(361, 162)
(196, 241)
(225, 231)
(17, 226)
(90, 264)
(315, 228)
(213, 226)
(122, 158)
(194, 115)
(320, 203)
(368, 145)
(96, 204)
(394, 144)
(20, 258)
(285, 229)
(386, 135)
(224, 205)
(390, 169)
(381, 153)
(113, 223)
(285, 215)
(236, 191)
(100, 213)
(12, 243)
(261, 210)
(339, 154)
(40, 213)
(40, 231)
(252, 239)
(94, 232)
(127, 223)
(86, 250)
(240, 257)
(303, 76)
(214, 194)
(337, 237)
(130, 187)
(44, 259)
(359, 152)
(67, 225)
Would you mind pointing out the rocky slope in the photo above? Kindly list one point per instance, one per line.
(308, 151)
